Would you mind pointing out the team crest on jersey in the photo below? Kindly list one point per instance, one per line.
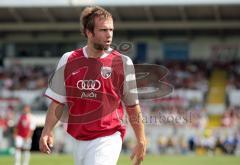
(106, 72)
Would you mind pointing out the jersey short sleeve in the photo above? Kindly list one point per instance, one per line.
(130, 95)
(56, 87)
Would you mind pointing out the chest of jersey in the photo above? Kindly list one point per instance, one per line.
(93, 84)
(85, 77)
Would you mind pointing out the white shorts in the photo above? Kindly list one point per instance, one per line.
(100, 151)
(20, 142)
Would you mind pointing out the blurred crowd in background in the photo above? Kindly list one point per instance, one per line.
(20, 77)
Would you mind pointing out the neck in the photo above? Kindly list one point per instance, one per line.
(92, 52)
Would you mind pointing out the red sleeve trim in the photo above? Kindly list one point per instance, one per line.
(131, 106)
(53, 99)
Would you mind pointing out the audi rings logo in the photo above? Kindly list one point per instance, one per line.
(89, 85)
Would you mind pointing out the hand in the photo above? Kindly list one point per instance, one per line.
(46, 142)
(138, 153)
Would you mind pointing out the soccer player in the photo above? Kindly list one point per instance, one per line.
(23, 136)
(96, 83)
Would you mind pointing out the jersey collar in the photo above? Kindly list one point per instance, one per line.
(105, 54)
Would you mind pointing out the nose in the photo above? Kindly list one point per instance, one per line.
(109, 33)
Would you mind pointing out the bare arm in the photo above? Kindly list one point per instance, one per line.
(53, 116)
(136, 120)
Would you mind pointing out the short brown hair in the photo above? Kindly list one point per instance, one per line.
(89, 14)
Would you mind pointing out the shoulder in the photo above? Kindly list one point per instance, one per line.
(70, 55)
(63, 60)
(126, 60)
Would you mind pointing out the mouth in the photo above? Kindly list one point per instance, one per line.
(108, 42)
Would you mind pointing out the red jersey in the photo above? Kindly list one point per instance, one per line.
(94, 90)
(25, 125)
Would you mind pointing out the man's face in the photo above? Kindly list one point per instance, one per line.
(101, 38)
(26, 109)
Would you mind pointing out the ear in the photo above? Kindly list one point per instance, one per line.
(89, 33)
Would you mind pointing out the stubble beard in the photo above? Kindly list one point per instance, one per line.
(100, 47)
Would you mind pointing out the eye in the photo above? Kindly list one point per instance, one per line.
(104, 30)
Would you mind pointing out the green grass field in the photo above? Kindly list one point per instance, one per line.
(38, 159)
